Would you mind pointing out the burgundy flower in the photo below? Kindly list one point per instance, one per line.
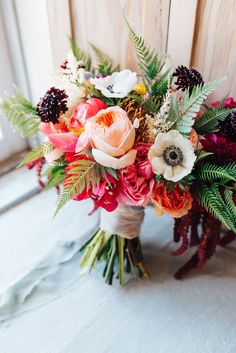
(224, 150)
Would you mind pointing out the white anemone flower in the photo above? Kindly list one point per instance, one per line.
(172, 155)
(116, 85)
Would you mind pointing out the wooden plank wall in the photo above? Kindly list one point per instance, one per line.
(194, 32)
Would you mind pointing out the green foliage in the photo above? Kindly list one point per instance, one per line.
(202, 155)
(182, 113)
(105, 63)
(80, 54)
(20, 113)
(41, 151)
(152, 105)
(211, 199)
(110, 102)
(210, 172)
(228, 195)
(82, 175)
(150, 65)
(208, 122)
(56, 176)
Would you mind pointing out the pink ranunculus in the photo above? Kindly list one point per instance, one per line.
(60, 137)
(134, 189)
(143, 163)
(112, 137)
(85, 111)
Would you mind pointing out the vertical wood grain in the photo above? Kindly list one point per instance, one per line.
(60, 28)
(181, 31)
(101, 22)
(215, 42)
(35, 36)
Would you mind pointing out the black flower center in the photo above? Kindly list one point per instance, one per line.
(173, 156)
(110, 88)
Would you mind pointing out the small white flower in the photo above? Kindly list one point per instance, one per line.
(172, 155)
(116, 85)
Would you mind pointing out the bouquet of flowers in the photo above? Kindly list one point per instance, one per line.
(126, 140)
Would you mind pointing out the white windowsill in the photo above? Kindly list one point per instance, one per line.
(17, 186)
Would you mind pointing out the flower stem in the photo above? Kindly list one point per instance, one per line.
(110, 266)
(121, 246)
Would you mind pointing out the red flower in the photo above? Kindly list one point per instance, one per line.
(142, 162)
(228, 103)
(105, 195)
(224, 150)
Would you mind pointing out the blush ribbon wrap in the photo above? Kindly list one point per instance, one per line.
(125, 221)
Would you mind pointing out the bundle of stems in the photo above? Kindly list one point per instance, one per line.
(117, 252)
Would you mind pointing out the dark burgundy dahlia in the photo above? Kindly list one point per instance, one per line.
(52, 105)
(187, 78)
(228, 126)
(223, 149)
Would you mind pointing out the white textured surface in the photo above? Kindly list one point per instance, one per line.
(160, 315)
(15, 184)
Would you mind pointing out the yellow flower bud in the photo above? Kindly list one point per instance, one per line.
(140, 89)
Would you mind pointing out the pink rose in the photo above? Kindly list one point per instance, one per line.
(134, 189)
(85, 111)
(112, 135)
(143, 163)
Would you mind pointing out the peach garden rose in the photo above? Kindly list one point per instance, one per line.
(112, 136)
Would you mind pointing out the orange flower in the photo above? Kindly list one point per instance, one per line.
(176, 203)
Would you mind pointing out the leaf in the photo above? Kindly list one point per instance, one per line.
(182, 113)
(149, 63)
(211, 200)
(208, 122)
(203, 154)
(105, 63)
(56, 176)
(152, 105)
(41, 151)
(80, 54)
(209, 172)
(81, 176)
(20, 113)
(229, 198)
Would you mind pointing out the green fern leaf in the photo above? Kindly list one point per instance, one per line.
(182, 113)
(230, 201)
(80, 177)
(202, 155)
(80, 54)
(208, 122)
(105, 63)
(39, 152)
(20, 113)
(211, 200)
(149, 63)
(209, 172)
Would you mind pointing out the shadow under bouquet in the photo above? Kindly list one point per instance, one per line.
(126, 140)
